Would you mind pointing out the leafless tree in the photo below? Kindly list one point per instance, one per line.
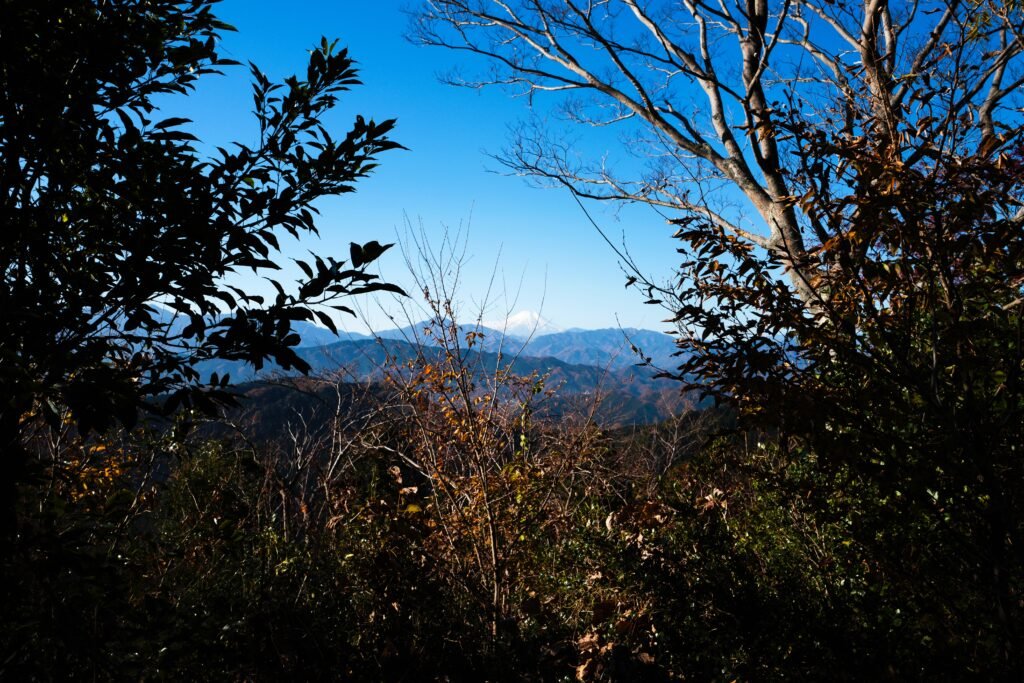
(721, 98)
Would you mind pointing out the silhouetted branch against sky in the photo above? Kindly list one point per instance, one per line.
(719, 95)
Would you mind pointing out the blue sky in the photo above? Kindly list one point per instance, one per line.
(537, 237)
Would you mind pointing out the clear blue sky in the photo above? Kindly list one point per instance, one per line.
(446, 178)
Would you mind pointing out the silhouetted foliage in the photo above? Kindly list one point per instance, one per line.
(905, 376)
(428, 529)
(113, 215)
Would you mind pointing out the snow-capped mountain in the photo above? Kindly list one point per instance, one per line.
(524, 324)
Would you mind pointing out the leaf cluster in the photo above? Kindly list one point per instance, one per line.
(124, 239)
(905, 371)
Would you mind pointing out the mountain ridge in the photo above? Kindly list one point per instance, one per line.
(612, 347)
(627, 395)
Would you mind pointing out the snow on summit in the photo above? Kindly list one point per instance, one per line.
(524, 324)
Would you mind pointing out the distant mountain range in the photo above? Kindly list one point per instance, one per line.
(605, 348)
(612, 348)
(625, 395)
(579, 364)
(523, 334)
(524, 324)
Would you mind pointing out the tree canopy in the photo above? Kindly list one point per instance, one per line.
(122, 233)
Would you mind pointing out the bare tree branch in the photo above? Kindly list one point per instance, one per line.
(725, 94)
